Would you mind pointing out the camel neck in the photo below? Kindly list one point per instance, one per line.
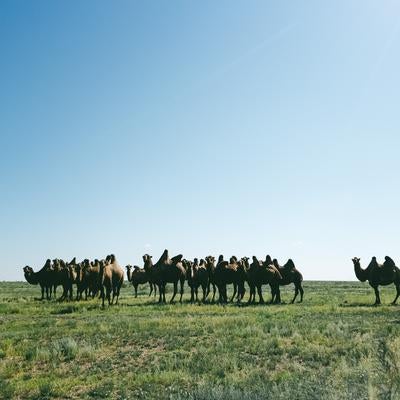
(361, 274)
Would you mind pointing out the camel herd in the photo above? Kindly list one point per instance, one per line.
(104, 278)
(99, 277)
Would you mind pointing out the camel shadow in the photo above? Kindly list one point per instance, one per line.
(355, 305)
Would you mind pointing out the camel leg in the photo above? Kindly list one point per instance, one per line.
(301, 293)
(151, 288)
(135, 290)
(296, 292)
(278, 296)
(397, 294)
(204, 288)
(47, 293)
(197, 294)
(160, 293)
(155, 289)
(234, 291)
(191, 294)
(260, 296)
(118, 288)
(175, 291)
(226, 294)
(108, 294)
(182, 287)
(164, 290)
(213, 298)
(102, 296)
(220, 294)
(377, 297)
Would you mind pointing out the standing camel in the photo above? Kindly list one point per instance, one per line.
(289, 275)
(112, 277)
(166, 270)
(137, 277)
(378, 274)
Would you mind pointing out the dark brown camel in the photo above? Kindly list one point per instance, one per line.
(262, 273)
(43, 277)
(166, 270)
(210, 266)
(226, 273)
(148, 267)
(112, 278)
(378, 274)
(197, 275)
(137, 277)
(290, 275)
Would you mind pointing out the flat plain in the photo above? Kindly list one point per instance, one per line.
(335, 345)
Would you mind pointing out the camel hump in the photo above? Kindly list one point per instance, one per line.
(177, 258)
(268, 259)
(290, 264)
(164, 256)
(389, 261)
(276, 270)
(136, 268)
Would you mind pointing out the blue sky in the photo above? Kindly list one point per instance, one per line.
(234, 127)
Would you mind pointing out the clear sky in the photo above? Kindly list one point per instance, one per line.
(235, 127)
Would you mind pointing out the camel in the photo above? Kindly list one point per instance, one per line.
(197, 275)
(261, 273)
(227, 273)
(289, 275)
(378, 274)
(210, 266)
(87, 277)
(137, 277)
(112, 278)
(66, 275)
(43, 277)
(166, 270)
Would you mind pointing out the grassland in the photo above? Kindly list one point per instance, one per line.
(333, 346)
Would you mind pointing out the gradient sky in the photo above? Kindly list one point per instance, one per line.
(208, 127)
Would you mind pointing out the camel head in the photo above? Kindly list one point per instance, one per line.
(78, 271)
(220, 258)
(129, 272)
(356, 261)
(30, 276)
(196, 261)
(275, 262)
(47, 264)
(147, 259)
(268, 259)
(245, 261)
(210, 259)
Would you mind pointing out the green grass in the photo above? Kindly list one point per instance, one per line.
(333, 346)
